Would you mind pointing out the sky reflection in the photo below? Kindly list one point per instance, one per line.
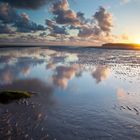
(101, 73)
(62, 68)
(101, 84)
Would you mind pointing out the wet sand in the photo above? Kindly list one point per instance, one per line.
(90, 94)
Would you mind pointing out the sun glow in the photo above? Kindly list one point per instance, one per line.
(137, 41)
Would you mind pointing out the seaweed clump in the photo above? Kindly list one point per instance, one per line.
(10, 96)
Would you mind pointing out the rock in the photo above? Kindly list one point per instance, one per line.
(9, 96)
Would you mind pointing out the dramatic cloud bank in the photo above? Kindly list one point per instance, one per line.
(64, 24)
(22, 22)
(98, 26)
(26, 4)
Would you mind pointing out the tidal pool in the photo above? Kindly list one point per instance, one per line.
(79, 94)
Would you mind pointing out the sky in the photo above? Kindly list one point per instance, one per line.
(69, 22)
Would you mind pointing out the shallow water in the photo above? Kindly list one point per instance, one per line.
(79, 94)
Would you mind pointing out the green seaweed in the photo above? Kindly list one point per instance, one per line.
(9, 96)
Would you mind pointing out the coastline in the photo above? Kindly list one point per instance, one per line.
(112, 46)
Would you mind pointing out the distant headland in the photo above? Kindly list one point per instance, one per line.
(124, 46)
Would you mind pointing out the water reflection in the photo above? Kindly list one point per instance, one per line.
(63, 74)
(128, 101)
(101, 73)
(101, 84)
(24, 118)
(58, 67)
(11, 71)
(50, 66)
(121, 93)
(33, 85)
(26, 71)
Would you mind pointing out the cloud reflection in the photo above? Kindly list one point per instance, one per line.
(63, 74)
(13, 67)
(101, 73)
(50, 66)
(121, 93)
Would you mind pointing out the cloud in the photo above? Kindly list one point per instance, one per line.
(104, 19)
(63, 14)
(4, 29)
(59, 30)
(125, 1)
(22, 22)
(62, 27)
(89, 31)
(99, 24)
(97, 27)
(43, 34)
(81, 17)
(26, 4)
(55, 29)
(7, 13)
(25, 25)
(125, 37)
(50, 23)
